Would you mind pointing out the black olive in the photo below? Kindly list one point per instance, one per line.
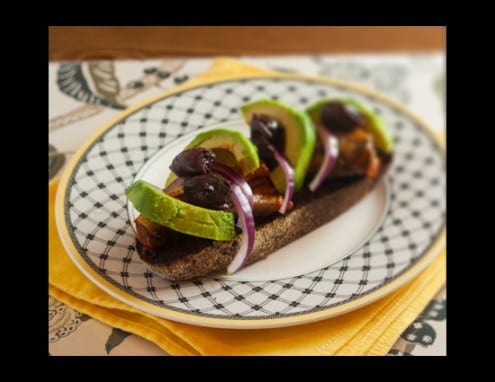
(208, 190)
(340, 117)
(267, 131)
(195, 161)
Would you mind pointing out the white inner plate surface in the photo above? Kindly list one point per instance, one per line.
(329, 243)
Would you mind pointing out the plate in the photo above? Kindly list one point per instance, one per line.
(404, 234)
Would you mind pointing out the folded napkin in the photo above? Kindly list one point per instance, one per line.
(371, 330)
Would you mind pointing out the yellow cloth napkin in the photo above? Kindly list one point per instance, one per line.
(371, 330)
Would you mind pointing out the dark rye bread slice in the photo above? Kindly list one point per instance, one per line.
(186, 257)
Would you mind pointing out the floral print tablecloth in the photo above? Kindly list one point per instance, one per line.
(85, 95)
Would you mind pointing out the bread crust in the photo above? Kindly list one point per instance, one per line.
(188, 257)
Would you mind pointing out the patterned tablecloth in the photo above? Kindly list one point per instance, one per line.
(83, 96)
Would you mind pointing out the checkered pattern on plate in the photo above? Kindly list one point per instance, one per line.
(95, 206)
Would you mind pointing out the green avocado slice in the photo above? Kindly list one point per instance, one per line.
(376, 125)
(231, 148)
(178, 215)
(243, 150)
(299, 137)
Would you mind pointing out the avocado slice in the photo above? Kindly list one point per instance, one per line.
(299, 137)
(178, 215)
(243, 150)
(375, 123)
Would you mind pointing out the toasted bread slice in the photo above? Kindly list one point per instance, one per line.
(187, 257)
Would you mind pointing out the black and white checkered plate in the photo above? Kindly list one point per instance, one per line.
(92, 217)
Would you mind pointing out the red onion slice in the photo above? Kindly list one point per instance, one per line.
(246, 218)
(233, 177)
(289, 178)
(331, 145)
(242, 198)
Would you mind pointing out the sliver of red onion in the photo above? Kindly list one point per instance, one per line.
(289, 177)
(331, 145)
(246, 218)
(233, 177)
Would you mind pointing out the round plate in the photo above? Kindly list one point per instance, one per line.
(91, 211)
